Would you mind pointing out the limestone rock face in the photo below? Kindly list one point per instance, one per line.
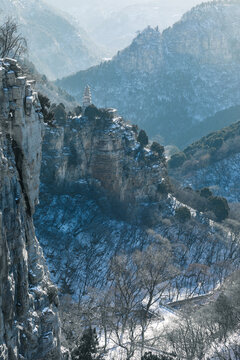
(20, 104)
(105, 154)
(29, 325)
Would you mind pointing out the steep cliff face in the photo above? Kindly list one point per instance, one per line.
(168, 82)
(29, 326)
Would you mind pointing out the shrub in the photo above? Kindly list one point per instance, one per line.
(164, 187)
(215, 142)
(142, 138)
(183, 214)
(191, 198)
(78, 110)
(60, 114)
(157, 148)
(91, 111)
(88, 347)
(219, 206)
(206, 193)
(177, 160)
(48, 114)
(135, 129)
(150, 356)
(52, 293)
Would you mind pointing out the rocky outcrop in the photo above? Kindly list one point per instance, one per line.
(104, 152)
(29, 325)
(99, 186)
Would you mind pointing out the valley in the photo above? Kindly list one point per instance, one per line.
(119, 181)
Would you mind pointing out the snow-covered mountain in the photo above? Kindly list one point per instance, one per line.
(168, 82)
(57, 44)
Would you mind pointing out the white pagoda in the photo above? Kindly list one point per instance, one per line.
(87, 97)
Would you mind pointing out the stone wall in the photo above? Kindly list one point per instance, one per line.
(29, 324)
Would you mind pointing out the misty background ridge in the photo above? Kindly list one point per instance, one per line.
(114, 24)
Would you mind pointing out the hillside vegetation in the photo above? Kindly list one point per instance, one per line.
(209, 149)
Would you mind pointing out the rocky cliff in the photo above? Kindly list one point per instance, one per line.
(29, 325)
(169, 81)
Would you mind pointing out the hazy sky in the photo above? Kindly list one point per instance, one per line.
(104, 8)
(114, 23)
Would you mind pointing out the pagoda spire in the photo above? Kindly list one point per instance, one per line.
(87, 97)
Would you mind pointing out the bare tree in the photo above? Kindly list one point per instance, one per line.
(126, 300)
(136, 283)
(212, 329)
(12, 43)
(155, 271)
(189, 339)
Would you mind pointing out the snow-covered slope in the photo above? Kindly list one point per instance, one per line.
(99, 197)
(222, 177)
(168, 82)
(57, 45)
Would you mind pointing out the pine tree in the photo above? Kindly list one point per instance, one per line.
(142, 138)
(87, 348)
